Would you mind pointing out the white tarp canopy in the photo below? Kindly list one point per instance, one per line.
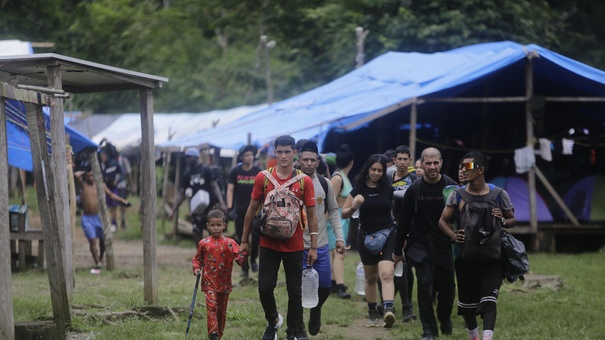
(15, 47)
(125, 131)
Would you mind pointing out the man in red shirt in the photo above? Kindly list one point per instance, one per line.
(289, 251)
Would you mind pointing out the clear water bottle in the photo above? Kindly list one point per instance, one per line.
(360, 280)
(399, 269)
(310, 287)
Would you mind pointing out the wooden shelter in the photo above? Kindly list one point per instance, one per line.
(45, 80)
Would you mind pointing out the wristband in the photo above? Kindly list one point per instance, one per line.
(313, 233)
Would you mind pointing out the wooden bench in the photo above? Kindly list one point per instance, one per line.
(21, 256)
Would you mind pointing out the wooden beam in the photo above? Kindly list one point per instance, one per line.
(148, 197)
(557, 198)
(478, 100)
(529, 128)
(177, 183)
(7, 321)
(59, 166)
(43, 175)
(10, 92)
(413, 122)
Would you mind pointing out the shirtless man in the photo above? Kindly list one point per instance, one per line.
(91, 223)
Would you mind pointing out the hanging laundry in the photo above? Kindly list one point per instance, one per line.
(525, 159)
(567, 146)
(546, 149)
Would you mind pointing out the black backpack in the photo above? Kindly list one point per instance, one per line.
(482, 231)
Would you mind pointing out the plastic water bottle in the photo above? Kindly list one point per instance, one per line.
(360, 280)
(310, 287)
(399, 269)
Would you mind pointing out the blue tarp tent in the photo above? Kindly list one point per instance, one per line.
(394, 80)
(19, 151)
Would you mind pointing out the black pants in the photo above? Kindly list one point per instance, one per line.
(255, 239)
(269, 262)
(434, 268)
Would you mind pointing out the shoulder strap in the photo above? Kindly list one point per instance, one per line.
(491, 196)
(324, 184)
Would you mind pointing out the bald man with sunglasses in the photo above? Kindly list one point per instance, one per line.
(428, 250)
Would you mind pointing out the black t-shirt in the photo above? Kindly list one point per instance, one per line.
(375, 212)
(423, 204)
(243, 183)
(197, 178)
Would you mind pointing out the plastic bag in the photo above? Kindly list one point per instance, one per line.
(514, 257)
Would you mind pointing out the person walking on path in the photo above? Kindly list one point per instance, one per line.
(479, 280)
(91, 222)
(342, 187)
(428, 250)
(290, 251)
(239, 188)
(196, 178)
(214, 262)
(325, 206)
(373, 197)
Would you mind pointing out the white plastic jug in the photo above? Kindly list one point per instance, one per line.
(399, 269)
(310, 287)
(360, 280)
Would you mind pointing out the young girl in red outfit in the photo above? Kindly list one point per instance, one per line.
(214, 261)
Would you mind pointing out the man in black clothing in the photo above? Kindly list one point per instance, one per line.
(428, 250)
(239, 189)
(197, 178)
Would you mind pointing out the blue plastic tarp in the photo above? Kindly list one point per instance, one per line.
(392, 81)
(19, 151)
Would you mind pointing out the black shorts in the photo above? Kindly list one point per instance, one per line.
(385, 255)
(478, 285)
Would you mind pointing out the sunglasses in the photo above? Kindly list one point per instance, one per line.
(468, 166)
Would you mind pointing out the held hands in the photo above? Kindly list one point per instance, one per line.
(357, 202)
(244, 248)
(340, 247)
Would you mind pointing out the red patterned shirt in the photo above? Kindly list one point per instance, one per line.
(215, 258)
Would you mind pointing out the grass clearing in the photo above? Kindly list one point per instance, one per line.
(572, 312)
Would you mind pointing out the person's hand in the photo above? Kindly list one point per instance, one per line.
(197, 272)
(231, 214)
(357, 202)
(340, 247)
(171, 214)
(311, 256)
(397, 258)
(244, 248)
(223, 208)
(460, 236)
(496, 212)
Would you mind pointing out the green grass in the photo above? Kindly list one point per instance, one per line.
(573, 312)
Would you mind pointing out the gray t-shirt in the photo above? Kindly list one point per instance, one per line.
(505, 202)
(321, 199)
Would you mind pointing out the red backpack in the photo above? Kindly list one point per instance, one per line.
(282, 208)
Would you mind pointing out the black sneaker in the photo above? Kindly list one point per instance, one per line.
(314, 321)
(271, 330)
(446, 328)
(297, 334)
(253, 266)
(341, 292)
(243, 274)
(408, 315)
(213, 336)
(373, 318)
(389, 317)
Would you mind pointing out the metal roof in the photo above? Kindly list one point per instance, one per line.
(78, 76)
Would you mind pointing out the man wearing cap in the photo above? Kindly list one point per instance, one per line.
(325, 202)
(197, 179)
(239, 189)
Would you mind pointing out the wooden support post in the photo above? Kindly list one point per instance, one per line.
(413, 122)
(7, 321)
(59, 166)
(529, 125)
(177, 183)
(45, 185)
(148, 197)
(103, 211)
(72, 207)
(166, 169)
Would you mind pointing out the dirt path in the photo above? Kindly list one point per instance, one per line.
(129, 255)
